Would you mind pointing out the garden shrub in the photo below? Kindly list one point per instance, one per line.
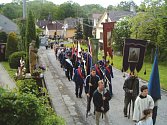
(12, 44)
(28, 86)
(25, 109)
(14, 59)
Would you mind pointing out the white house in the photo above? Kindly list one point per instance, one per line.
(112, 16)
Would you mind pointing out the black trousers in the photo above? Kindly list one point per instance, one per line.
(69, 73)
(78, 87)
(89, 102)
(128, 100)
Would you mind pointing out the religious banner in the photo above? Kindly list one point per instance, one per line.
(133, 56)
(95, 47)
(107, 35)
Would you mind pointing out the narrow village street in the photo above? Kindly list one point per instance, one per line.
(65, 104)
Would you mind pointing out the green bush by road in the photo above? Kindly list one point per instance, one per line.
(26, 105)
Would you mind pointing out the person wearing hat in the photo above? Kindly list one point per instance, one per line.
(131, 88)
(108, 75)
(78, 78)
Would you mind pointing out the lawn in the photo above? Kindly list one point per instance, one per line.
(162, 71)
(10, 71)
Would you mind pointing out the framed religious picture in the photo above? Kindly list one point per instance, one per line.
(109, 39)
(134, 54)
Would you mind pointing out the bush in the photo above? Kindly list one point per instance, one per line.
(14, 59)
(3, 37)
(25, 109)
(12, 43)
(28, 86)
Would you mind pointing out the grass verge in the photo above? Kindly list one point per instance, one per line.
(148, 66)
(10, 71)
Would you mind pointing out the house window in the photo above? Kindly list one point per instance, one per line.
(101, 35)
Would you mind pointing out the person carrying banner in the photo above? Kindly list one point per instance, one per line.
(109, 58)
(131, 88)
(91, 84)
(69, 68)
(98, 71)
(142, 102)
(78, 78)
(154, 88)
(109, 75)
(101, 99)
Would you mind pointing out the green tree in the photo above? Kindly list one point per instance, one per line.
(121, 31)
(37, 41)
(12, 10)
(111, 8)
(124, 5)
(41, 9)
(162, 41)
(30, 35)
(87, 28)
(93, 8)
(11, 44)
(78, 33)
(22, 28)
(3, 37)
(66, 10)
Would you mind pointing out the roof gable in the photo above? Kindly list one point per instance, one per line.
(72, 22)
(8, 25)
(116, 15)
(96, 16)
(57, 25)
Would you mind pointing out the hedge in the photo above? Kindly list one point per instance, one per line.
(14, 59)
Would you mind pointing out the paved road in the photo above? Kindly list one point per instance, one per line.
(73, 109)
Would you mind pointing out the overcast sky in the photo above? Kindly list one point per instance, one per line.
(103, 3)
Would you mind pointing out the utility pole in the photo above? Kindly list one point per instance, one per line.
(24, 9)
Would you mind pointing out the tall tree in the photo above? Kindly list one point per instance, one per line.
(11, 44)
(30, 35)
(22, 28)
(79, 32)
(87, 28)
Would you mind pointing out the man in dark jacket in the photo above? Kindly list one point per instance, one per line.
(90, 86)
(78, 78)
(98, 71)
(101, 99)
(131, 88)
(109, 75)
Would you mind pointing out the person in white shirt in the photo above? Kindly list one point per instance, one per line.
(142, 102)
(147, 118)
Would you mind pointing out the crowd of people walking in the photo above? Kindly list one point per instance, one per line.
(96, 80)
